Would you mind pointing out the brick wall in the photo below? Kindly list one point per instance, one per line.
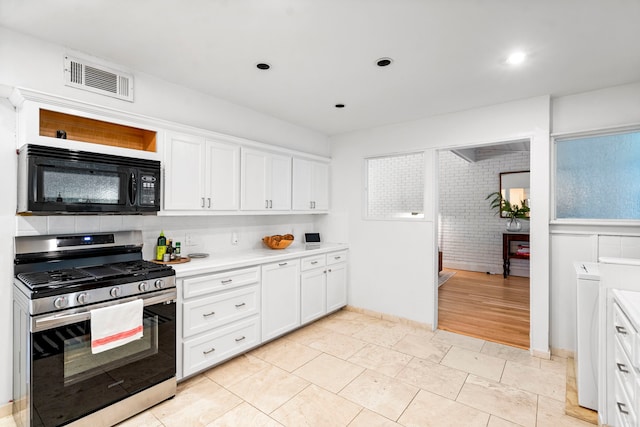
(395, 186)
(470, 235)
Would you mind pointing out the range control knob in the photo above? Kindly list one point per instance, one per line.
(83, 298)
(159, 284)
(60, 302)
(143, 286)
(115, 292)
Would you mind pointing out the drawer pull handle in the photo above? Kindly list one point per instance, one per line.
(209, 314)
(622, 368)
(329, 270)
(282, 264)
(202, 205)
(621, 407)
(314, 262)
(224, 282)
(211, 350)
(240, 305)
(241, 338)
(337, 257)
(621, 330)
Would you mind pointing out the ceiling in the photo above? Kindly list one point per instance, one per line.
(448, 55)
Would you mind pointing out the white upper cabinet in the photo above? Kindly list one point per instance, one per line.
(266, 181)
(223, 183)
(310, 185)
(201, 174)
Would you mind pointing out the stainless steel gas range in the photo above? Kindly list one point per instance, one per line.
(60, 282)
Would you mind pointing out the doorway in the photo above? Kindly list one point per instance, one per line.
(476, 299)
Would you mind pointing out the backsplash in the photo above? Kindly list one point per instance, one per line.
(211, 234)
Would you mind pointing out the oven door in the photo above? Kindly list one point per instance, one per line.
(69, 382)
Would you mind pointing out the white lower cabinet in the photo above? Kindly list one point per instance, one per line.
(280, 298)
(226, 313)
(220, 317)
(220, 344)
(323, 284)
(624, 369)
(336, 280)
(313, 288)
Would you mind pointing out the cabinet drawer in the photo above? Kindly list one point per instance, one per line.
(210, 312)
(222, 344)
(623, 329)
(624, 372)
(623, 406)
(312, 262)
(202, 285)
(336, 257)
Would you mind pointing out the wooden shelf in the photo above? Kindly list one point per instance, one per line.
(507, 253)
(96, 131)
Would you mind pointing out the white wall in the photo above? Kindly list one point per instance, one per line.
(7, 231)
(470, 234)
(34, 64)
(393, 262)
(38, 65)
(601, 109)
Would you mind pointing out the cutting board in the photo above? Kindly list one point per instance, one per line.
(180, 260)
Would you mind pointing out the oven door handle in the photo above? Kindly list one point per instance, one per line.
(60, 319)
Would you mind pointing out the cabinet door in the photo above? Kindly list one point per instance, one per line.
(254, 180)
(336, 286)
(313, 295)
(280, 183)
(280, 298)
(184, 187)
(301, 191)
(223, 175)
(320, 186)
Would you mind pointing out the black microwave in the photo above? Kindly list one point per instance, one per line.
(56, 180)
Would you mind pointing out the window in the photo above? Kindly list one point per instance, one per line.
(395, 186)
(598, 177)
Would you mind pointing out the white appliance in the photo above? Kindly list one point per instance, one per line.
(588, 277)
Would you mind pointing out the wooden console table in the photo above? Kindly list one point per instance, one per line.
(508, 239)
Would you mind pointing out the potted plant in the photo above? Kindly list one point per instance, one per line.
(510, 210)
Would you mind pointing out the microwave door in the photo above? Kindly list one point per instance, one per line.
(80, 188)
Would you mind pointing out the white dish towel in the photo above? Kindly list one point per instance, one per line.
(116, 325)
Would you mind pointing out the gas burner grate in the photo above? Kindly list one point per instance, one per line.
(139, 267)
(53, 277)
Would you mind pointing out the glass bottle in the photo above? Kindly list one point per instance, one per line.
(161, 246)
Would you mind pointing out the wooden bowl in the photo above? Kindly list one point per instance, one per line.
(278, 241)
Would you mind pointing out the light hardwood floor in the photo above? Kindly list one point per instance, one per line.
(486, 306)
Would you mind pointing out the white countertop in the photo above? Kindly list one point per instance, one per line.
(225, 261)
(630, 302)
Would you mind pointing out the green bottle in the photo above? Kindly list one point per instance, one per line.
(161, 247)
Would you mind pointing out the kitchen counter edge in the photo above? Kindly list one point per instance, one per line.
(239, 259)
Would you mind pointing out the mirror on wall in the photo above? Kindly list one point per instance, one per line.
(514, 187)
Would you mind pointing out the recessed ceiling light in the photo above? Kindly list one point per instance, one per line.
(516, 58)
(339, 105)
(383, 62)
(263, 66)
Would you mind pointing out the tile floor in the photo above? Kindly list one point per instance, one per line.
(350, 369)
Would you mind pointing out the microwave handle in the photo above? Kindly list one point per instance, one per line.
(133, 188)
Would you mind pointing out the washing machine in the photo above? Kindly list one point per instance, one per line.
(588, 284)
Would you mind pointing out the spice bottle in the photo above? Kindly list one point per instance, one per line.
(169, 254)
(177, 250)
(161, 246)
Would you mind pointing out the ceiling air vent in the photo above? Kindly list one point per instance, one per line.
(97, 78)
